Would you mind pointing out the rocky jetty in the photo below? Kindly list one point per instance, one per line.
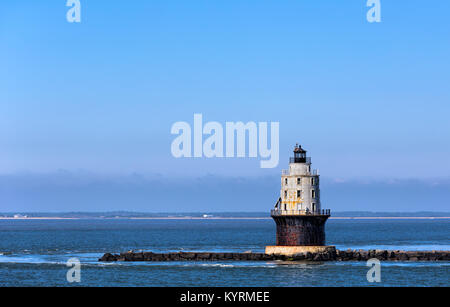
(336, 255)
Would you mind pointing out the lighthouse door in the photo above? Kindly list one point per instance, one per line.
(313, 207)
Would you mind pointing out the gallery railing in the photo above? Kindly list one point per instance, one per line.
(300, 160)
(277, 212)
(314, 172)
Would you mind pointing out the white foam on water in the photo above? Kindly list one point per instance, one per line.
(416, 264)
(28, 259)
(85, 258)
(220, 265)
(397, 263)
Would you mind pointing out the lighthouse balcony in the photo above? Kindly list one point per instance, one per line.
(300, 160)
(313, 172)
(278, 212)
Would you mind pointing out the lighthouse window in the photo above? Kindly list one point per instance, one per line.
(285, 181)
(299, 194)
(299, 180)
(313, 193)
(285, 194)
(312, 181)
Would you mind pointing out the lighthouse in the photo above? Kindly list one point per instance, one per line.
(298, 214)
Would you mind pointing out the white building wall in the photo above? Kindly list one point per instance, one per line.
(290, 201)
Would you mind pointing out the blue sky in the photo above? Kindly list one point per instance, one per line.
(366, 100)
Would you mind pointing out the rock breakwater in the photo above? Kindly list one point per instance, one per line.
(336, 255)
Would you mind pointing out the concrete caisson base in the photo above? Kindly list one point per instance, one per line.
(300, 230)
(294, 250)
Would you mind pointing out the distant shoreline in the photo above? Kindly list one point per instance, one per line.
(228, 218)
(40, 218)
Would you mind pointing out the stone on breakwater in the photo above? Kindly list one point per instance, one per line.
(334, 255)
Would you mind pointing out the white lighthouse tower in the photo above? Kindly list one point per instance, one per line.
(298, 214)
(300, 193)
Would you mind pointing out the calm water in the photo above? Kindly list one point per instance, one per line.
(34, 253)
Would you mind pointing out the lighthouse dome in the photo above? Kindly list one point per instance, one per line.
(299, 149)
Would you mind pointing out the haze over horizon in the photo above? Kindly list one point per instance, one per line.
(72, 191)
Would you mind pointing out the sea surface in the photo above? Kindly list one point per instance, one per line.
(35, 253)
